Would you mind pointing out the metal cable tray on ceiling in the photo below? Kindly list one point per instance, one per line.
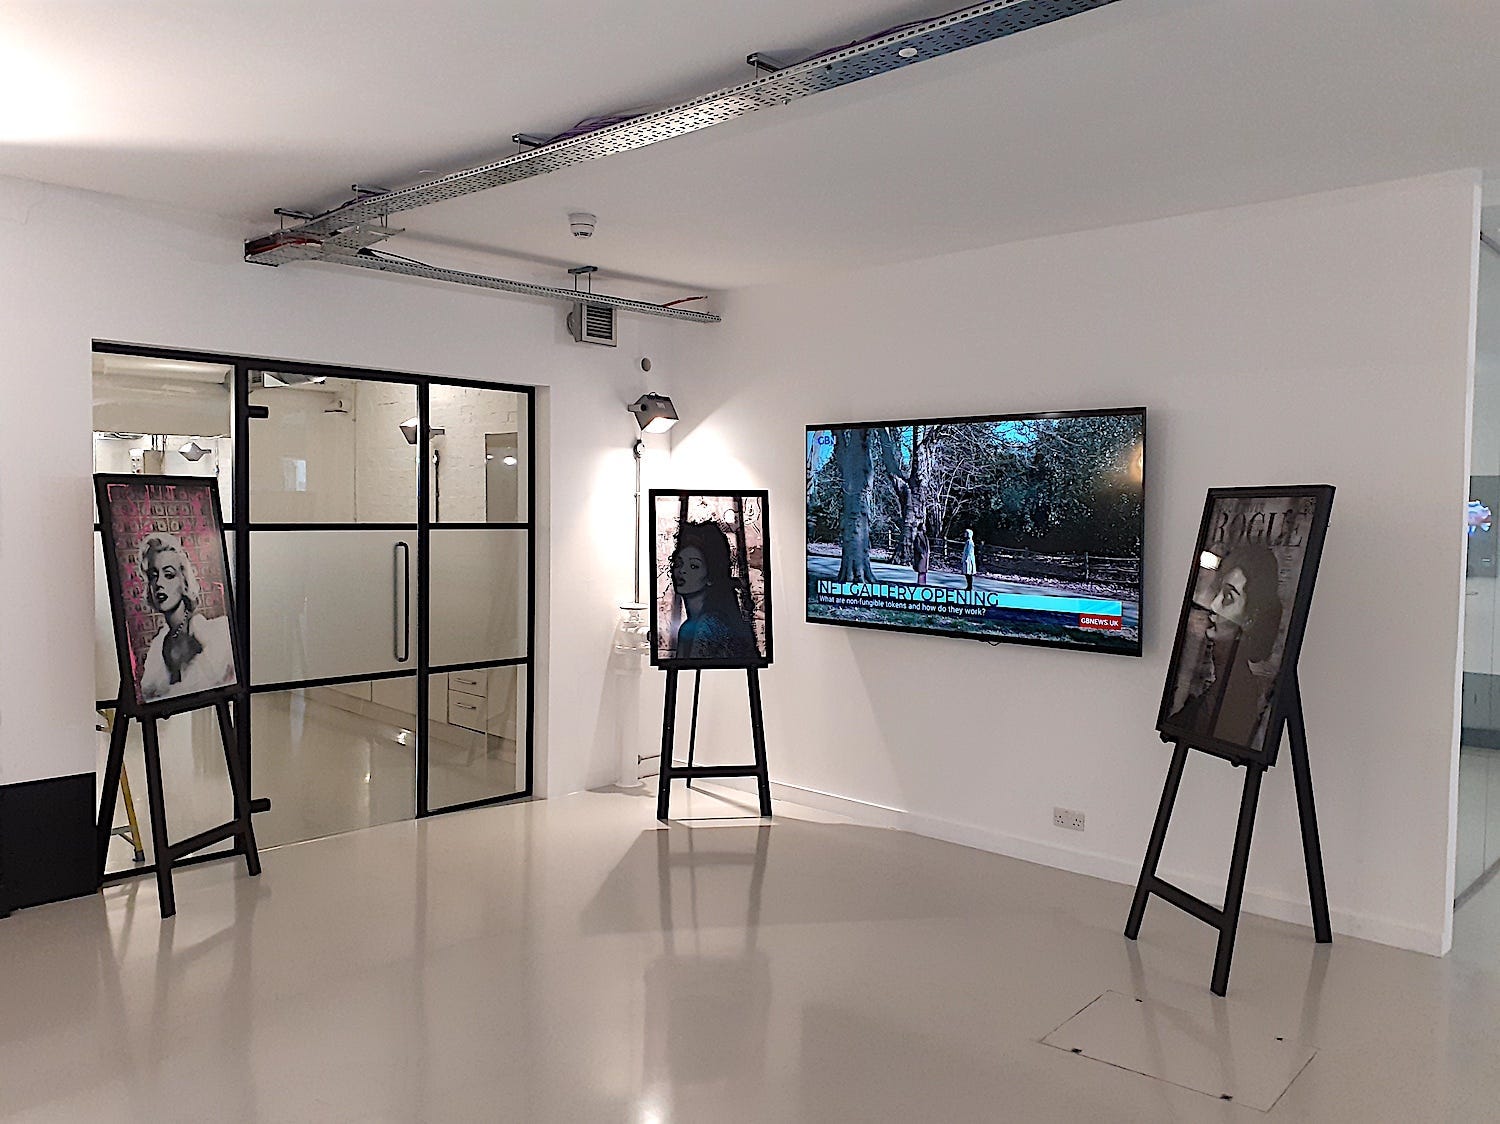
(944, 35)
(373, 260)
(343, 233)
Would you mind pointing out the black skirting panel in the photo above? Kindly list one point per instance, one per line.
(47, 843)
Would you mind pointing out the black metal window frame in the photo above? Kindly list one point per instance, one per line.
(239, 529)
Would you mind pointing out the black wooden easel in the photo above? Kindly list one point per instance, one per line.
(671, 771)
(1226, 920)
(165, 854)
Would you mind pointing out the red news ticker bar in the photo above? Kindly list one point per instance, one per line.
(1099, 624)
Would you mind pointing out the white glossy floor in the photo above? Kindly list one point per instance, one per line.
(570, 961)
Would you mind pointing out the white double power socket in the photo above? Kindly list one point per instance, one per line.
(1066, 817)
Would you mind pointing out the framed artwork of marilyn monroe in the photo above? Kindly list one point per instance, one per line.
(167, 568)
(710, 588)
(1232, 678)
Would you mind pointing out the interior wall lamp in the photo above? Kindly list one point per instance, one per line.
(409, 430)
(193, 451)
(654, 413)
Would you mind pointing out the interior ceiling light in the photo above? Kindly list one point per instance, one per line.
(344, 234)
(654, 413)
(288, 378)
(409, 430)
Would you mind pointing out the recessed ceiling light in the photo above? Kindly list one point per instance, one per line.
(907, 52)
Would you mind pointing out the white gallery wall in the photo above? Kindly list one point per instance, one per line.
(1321, 339)
(79, 267)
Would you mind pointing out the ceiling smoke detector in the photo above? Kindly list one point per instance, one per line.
(581, 223)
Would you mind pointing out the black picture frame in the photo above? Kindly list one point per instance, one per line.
(1238, 524)
(1135, 650)
(740, 551)
(130, 701)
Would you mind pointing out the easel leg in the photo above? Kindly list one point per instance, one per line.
(1158, 838)
(161, 851)
(693, 729)
(1234, 893)
(135, 824)
(239, 789)
(119, 725)
(668, 721)
(1312, 849)
(758, 733)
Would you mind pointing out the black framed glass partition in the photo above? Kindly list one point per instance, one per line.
(478, 594)
(382, 529)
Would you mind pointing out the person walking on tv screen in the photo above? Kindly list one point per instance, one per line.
(921, 555)
(1244, 620)
(718, 624)
(971, 562)
(192, 652)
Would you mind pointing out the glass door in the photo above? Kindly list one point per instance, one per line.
(333, 545)
(381, 534)
(478, 610)
(157, 416)
(1478, 850)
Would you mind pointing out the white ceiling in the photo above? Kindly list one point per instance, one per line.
(1142, 109)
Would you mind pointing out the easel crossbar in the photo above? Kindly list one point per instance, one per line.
(203, 839)
(1187, 902)
(692, 771)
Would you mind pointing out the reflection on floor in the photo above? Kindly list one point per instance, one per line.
(1478, 816)
(570, 960)
(1476, 925)
(326, 770)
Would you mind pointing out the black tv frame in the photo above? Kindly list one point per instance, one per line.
(1137, 651)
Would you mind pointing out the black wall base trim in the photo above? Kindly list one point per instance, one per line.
(47, 844)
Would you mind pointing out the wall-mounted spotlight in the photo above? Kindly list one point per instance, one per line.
(654, 413)
(193, 451)
(288, 378)
(409, 430)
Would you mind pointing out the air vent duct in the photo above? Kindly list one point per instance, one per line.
(593, 323)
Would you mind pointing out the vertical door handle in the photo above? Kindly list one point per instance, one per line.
(401, 605)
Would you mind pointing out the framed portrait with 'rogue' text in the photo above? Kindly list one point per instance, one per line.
(1234, 659)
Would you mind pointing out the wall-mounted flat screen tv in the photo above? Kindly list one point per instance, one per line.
(1024, 528)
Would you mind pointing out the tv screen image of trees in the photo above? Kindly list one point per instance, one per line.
(1023, 528)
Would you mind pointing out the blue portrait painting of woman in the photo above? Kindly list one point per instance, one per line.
(710, 586)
